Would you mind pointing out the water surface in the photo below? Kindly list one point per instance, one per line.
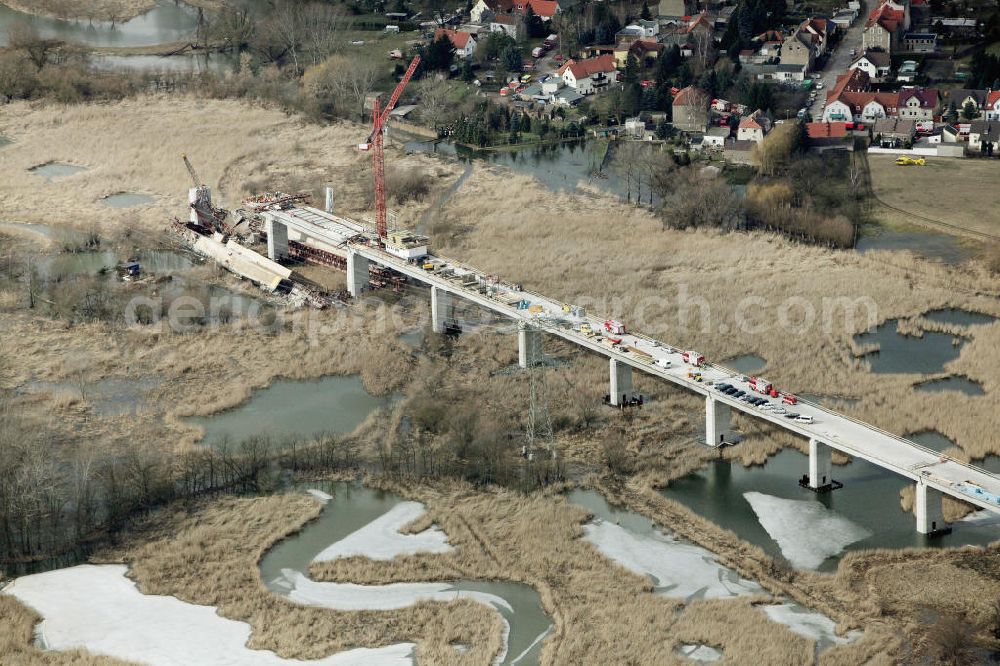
(907, 354)
(869, 498)
(959, 317)
(167, 22)
(939, 247)
(352, 507)
(954, 383)
(55, 170)
(295, 408)
(748, 364)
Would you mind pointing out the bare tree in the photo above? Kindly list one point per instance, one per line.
(24, 37)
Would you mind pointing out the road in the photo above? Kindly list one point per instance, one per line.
(839, 61)
(649, 356)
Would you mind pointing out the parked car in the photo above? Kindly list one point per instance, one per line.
(803, 418)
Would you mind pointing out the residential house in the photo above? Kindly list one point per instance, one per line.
(794, 51)
(481, 10)
(776, 72)
(920, 42)
(753, 127)
(596, 51)
(991, 110)
(984, 137)
(690, 109)
(464, 42)
(851, 98)
(644, 51)
(915, 103)
(817, 32)
(512, 24)
(950, 134)
(962, 96)
(589, 76)
(650, 27)
(894, 132)
(629, 34)
(715, 137)
(877, 64)
(885, 26)
(823, 136)
(844, 18)
(735, 151)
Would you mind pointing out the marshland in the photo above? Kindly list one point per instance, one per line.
(165, 464)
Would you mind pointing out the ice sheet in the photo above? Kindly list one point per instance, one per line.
(98, 608)
(807, 532)
(681, 569)
(381, 539)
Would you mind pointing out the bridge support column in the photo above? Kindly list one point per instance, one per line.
(357, 274)
(717, 423)
(529, 345)
(277, 239)
(621, 382)
(927, 506)
(820, 467)
(440, 309)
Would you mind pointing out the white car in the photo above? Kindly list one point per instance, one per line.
(803, 418)
(778, 410)
(663, 363)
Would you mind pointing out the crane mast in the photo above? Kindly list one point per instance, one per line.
(379, 118)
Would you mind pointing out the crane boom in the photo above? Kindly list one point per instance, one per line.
(190, 168)
(379, 118)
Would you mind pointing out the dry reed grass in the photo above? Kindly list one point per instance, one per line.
(602, 613)
(208, 553)
(631, 268)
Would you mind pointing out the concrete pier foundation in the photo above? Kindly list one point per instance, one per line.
(927, 506)
(328, 204)
(357, 274)
(621, 382)
(440, 309)
(277, 240)
(718, 417)
(820, 466)
(529, 345)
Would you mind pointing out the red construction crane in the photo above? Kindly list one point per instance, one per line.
(378, 152)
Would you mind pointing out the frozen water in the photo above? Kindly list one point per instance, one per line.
(99, 609)
(351, 597)
(807, 532)
(382, 540)
(810, 624)
(699, 652)
(681, 569)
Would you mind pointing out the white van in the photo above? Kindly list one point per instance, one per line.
(803, 418)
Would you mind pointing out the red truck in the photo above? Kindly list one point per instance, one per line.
(761, 385)
(693, 358)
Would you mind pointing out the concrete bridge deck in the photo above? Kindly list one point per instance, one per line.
(932, 473)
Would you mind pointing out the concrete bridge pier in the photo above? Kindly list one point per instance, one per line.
(927, 506)
(529, 345)
(820, 467)
(277, 239)
(440, 309)
(718, 416)
(357, 274)
(621, 382)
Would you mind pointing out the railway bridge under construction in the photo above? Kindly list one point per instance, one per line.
(357, 247)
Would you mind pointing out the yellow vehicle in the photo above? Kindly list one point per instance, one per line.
(585, 328)
(904, 160)
(428, 266)
(525, 78)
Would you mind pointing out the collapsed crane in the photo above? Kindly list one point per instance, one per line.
(203, 213)
(375, 142)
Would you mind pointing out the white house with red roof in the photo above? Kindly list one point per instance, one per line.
(916, 103)
(589, 76)
(991, 110)
(753, 127)
(464, 42)
(483, 9)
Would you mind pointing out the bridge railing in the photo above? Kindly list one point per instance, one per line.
(541, 324)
